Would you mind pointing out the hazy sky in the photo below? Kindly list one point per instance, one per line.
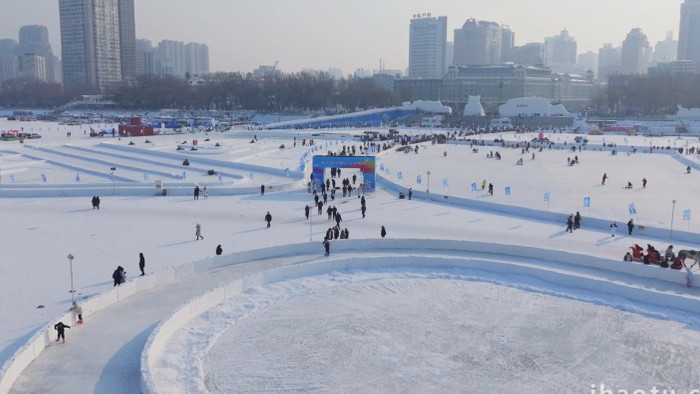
(242, 34)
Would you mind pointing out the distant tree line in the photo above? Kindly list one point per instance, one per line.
(625, 95)
(647, 95)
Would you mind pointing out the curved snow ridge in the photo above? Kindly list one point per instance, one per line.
(165, 368)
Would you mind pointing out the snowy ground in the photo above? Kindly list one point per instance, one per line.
(39, 231)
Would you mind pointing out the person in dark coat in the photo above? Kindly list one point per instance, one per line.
(320, 207)
(383, 232)
(338, 219)
(306, 212)
(268, 219)
(94, 202)
(61, 329)
(327, 246)
(630, 227)
(262, 190)
(410, 193)
(363, 209)
(119, 276)
(97, 202)
(336, 232)
(196, 192)
(577, 220)
(142, 263)
(570, 224)
(219, 250)
(644, 183)
(491, 189)
(362, 200)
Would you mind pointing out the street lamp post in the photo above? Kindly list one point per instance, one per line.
(673, 210)
(112, 176)
(428, 188)
(72, 291)
(311, 221)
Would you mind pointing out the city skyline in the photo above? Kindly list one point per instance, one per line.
(347, 36)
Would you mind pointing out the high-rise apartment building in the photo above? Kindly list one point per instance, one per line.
(427, 46)
(145, 62)
(635, 53)
(196, 58)
(478, 43)
(170, 58)
(688, 42)
(95, 35)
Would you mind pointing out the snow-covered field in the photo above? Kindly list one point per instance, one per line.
(377, 331)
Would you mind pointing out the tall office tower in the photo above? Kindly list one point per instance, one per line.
(688, 42)
(170, 58)
(34, 41)
(564, 49)
(635, 53)
(127, 38)
(91, 46)
(427, 47)
(608, 61)
(507, 44)
(478, 43)
(665, 51)
(196, 58)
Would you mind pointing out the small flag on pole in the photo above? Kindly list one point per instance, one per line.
(633, 210)
(286, 171)
(474, 186)
(184, 175)
(587, 202)
(444, 182)
(43, 177)
(546, 196)
(77, 177)
(400, 175)
(381, 167)
(686, 214)
(418, 180)
(507, 190)
(145, 176)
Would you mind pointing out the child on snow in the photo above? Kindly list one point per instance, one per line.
(78, 310)
(61, 329)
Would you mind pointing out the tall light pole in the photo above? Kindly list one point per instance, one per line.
(72, 291)
(112, 176)
(311, 220)
(428, 174)
(673, 210)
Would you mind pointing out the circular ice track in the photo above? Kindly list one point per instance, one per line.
(413, 329)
